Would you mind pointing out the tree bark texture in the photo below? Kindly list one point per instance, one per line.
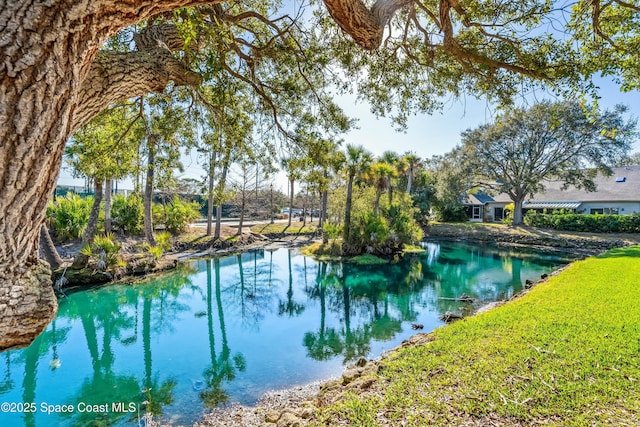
(517, 212)
(364, 25)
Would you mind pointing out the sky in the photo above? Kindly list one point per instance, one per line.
(426, 135)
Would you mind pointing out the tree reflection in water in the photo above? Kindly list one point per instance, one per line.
(223, 367)
(118, 317)
(379, 302)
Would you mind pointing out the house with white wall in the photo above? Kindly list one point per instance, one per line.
(617, 194)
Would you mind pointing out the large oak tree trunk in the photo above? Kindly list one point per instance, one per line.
(518, 218)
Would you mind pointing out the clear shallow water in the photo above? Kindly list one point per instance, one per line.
(228, 329)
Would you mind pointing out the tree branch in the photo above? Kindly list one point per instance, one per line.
(363, 25)
(115, 76)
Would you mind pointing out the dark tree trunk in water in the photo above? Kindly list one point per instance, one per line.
(48, 249)
(81, 259)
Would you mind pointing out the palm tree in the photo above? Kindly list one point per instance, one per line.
(380, 176)
(398, 164)
(413, 162)
(357, 161)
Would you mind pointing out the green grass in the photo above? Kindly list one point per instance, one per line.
(566, 353)
(277, 228)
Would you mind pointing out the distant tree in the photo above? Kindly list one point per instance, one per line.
(451, 179)
(423, 195)
(326, 161)
(293, 166)
(103, 150)
(559, 141)
(399, 166)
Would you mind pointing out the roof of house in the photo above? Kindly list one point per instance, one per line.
(478, 198)
(622, 186)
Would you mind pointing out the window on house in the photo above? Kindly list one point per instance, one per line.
(604, 211)
(498, 214)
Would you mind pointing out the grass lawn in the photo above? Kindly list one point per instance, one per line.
(566, 353)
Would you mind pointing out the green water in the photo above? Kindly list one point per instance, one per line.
(228, 329)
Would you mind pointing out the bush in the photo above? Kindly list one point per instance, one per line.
(585, 222)
(163, 244)
(403, 226)
(332, 231)
(104, 251)
(176, 215)
(69, 216)
(370, 233)
(456, 212)
(127, 213)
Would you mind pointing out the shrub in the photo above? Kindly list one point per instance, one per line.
(104, 251)
(127, 213)
(585, 222)
(69, 215)
(369, 233)
(176, 215)
(403, 226)
(163, 244)
(332, 231)
(455, 212)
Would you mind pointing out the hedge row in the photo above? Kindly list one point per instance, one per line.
(585, 222)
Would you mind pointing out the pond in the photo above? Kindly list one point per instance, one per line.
(228, 329)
